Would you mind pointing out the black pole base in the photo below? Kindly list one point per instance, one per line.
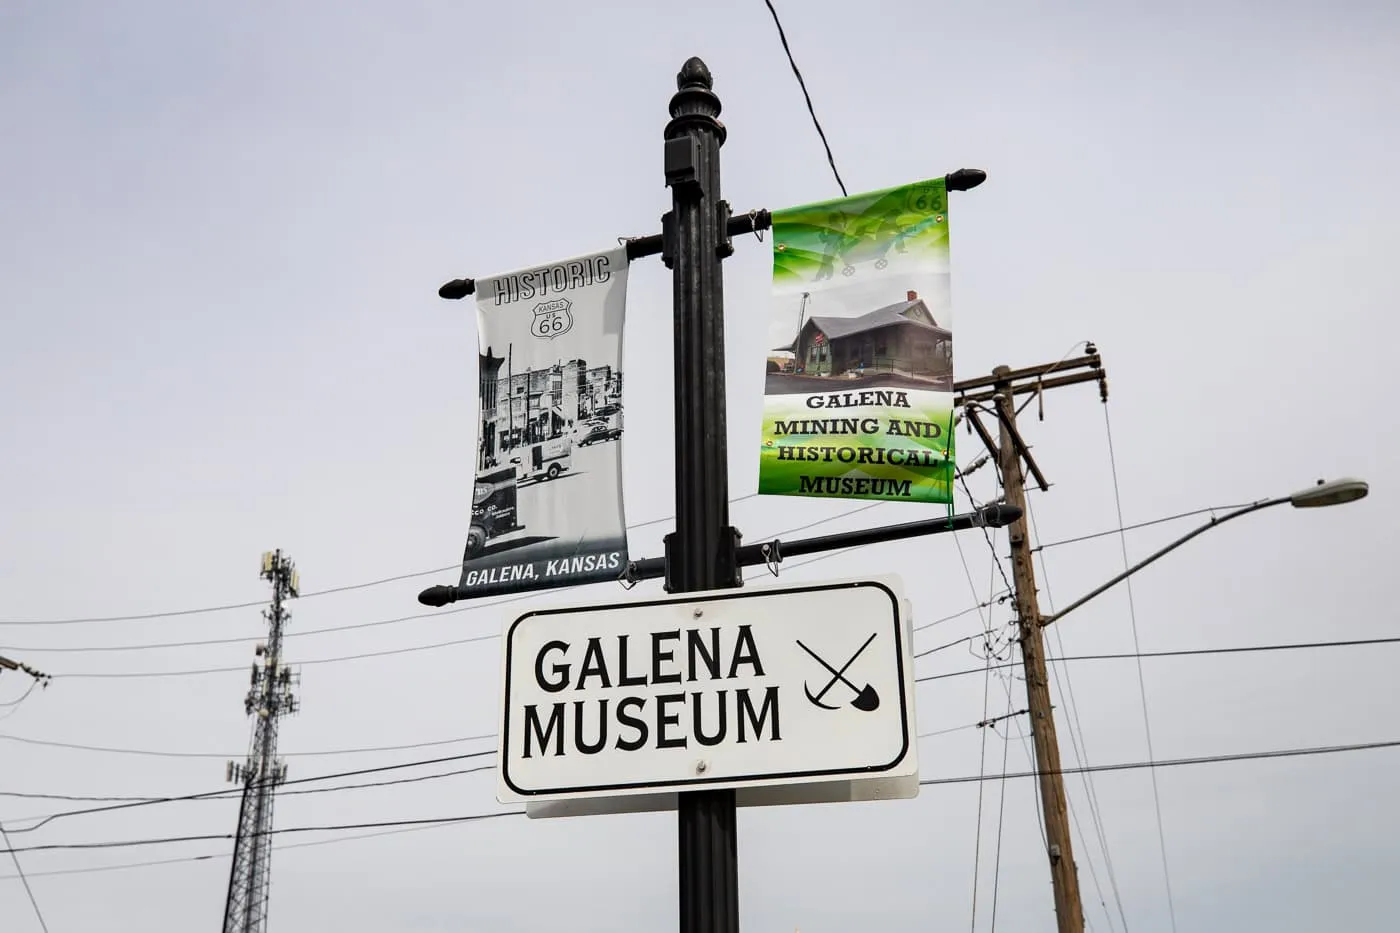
(709, 862)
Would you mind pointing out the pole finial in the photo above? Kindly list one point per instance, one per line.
(694, 73)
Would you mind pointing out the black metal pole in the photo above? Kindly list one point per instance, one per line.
(700, 553)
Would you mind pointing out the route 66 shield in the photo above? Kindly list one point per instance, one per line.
(552, 318)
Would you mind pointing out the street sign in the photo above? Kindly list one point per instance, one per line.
(801, 693)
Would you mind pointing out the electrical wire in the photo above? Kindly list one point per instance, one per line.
(986, 629)
(164, 754)
(198, 672)
(377, 622)
(954, 644)
(42, 820)
(1156, 521)
(1001, 815)
(1178, 762)
(782, 37)
(981, 769)
(174, 613)
(968, 779)
(986, 535)
(366, 655)
(1142, 681)
(129, 803)
(221, 856)
(22, 697)
(19, 871)
(10, 707)
(1079, 746)
(212, 837)
(958, 615)
(1186, 652)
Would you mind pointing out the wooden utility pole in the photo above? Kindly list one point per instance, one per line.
(1010, 450)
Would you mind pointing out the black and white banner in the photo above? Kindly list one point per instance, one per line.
(546, 507)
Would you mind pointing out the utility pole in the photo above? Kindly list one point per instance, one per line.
(1010, 451)
(269, 698)
(701, 552)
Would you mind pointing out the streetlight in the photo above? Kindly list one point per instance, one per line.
(1336, 492)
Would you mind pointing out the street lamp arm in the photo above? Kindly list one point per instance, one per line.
(1153, 558)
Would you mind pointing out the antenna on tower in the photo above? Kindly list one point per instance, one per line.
(269, 698)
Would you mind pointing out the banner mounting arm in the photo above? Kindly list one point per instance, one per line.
(637, 247)
(755, 221)
(772, 553)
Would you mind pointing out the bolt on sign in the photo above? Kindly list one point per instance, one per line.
(546, 506)
(805, 686)
(858, 396)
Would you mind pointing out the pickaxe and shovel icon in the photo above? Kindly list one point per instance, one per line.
(866, 699)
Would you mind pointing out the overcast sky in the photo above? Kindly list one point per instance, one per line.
(222, 228)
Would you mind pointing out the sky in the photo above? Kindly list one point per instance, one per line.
(222, 232)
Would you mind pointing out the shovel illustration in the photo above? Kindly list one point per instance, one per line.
(867, 698)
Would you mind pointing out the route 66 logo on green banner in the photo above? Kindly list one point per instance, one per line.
(858, 398)
(546, 504)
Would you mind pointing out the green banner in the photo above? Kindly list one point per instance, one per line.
(858, 398)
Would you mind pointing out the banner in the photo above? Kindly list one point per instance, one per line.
(546, 507)
(858, 399)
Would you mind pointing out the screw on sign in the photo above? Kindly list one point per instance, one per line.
(552, 318)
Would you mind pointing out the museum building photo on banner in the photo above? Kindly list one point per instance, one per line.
(858, 392)
(546, 502)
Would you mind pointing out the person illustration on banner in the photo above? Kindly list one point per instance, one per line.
(831, 239)
(888, 227)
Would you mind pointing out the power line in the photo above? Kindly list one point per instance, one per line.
(244, 639)
(1142, 681)
(225, 792)
(22, 697)
(1176, 762)
(19, 870)
(1184, 652)
(968, 779)
(164, 754)
(174, 613)
(43, 820)
(981, 769)
(129, 803)
(1127, 656)
(200, 672)
(376, 622)
(1210, 510)
(1001, 813)
(122, 866)
(387, 652)
(212, 837)
(1080, 747)
(958, 615)
(118, 675)
(782, 37)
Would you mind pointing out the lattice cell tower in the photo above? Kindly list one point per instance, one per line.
(269, 699)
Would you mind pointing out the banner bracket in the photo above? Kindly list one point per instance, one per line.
(772, 552)
(639, 247)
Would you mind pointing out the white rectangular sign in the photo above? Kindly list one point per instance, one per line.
(733, 688)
